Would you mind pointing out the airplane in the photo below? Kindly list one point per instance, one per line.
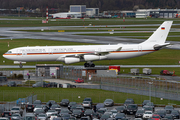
(90, 53)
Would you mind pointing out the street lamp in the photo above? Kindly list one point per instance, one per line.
(150, 83)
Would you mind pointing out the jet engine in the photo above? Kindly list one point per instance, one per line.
(93, 57)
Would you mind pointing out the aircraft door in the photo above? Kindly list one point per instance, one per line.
(19, 52)
(139, 48)
(50, 51)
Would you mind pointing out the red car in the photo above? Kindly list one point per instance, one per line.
(79, 80)
(156, 117)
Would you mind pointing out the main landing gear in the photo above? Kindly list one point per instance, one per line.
(89, 64)
(20, 65)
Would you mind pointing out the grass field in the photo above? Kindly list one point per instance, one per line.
(81, 22)
(46, 94)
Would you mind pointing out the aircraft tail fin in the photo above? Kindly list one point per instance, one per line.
(160, 35)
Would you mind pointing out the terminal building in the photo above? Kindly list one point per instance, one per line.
(81, 9)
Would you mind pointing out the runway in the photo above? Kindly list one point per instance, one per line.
(11, 33)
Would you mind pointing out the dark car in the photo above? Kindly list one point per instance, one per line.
(70, 85)
(127, 102)
(37, 102)
(51, 102)
(148, 108)
(132, 108)
(65, 116)
(6, 114)
(101, 110)
(64, 102)
(12, 84)
(139, 113)
(108, 102)
(105, 116)
(64, 111)
(175, 114)
(169, 116)
(169, 108)
(3, 78)
(161, 113)
(145, 102)
(52, 84)
(55, 106)
(29, 108)
(151, 104)
(77, 113)
(120, 116)
(100, 105)
(89, 112)
(121, 109)
(71, 104)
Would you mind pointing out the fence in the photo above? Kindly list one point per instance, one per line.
(147, 86)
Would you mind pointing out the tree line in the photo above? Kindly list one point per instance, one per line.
(103, 5)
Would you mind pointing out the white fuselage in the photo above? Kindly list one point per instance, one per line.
(59, 53)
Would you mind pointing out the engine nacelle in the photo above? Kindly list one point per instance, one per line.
(93, 57)
(69, 60)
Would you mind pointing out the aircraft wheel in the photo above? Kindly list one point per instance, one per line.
(93, 65)
(86, 65)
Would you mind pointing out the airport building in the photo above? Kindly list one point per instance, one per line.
(92, 12)
(81, 9)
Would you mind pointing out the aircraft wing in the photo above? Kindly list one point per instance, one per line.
(101, 53)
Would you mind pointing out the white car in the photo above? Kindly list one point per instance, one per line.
(114, 112)
(49, 112)
(52, 116)
(147, 114)
(87, 104)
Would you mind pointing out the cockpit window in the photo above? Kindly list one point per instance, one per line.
(9, 51)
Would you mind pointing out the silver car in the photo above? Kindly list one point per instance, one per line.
(16, 116)
(17, 109)
(4, 118)
(42, 117)
(108, 102)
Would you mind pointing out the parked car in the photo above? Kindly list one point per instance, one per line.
(4, 118)
(121, 109)
(132, 108)
(64, 111)
(102, 110)
(64, 102)
(6, 114)
(87, 104)
(169, 108)
(120, 116)
(29, 108)
(3, 78)
(37, 102)
(147, 114)
(53, 115)
(100, 105)
(139, 113)
(29, 116)
(39, 111)
(77, 113)
(114, 112)
(161, 112)
(71, 104)
(169, 116)
(17, 109)
(79, 80)
(88, 99)
(127, 102)
(108, 102)
(42, 116)
(16, 116)
(50, 102)
(52, 84)
(145, 102)
(55, 106)
(70, 85)
(37, 107)
(49, 112)
(156, 117)
(12, 84)
(175, 114)
(89, 112)
(65, 116)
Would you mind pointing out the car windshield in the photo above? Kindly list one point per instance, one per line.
(108, 100)
(128, 101)
(42, 115)
(29, 118)
(72, 103)
(65, 100)
(131, 106)
(88, 112)
(77, 111)
(15, 109)
(87, 99)
(155, 116)
(86, 102)
(140, 111)
(148, 112)
(15, 115)
(51, 110)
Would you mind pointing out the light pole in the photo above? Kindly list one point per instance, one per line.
(150, 83)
